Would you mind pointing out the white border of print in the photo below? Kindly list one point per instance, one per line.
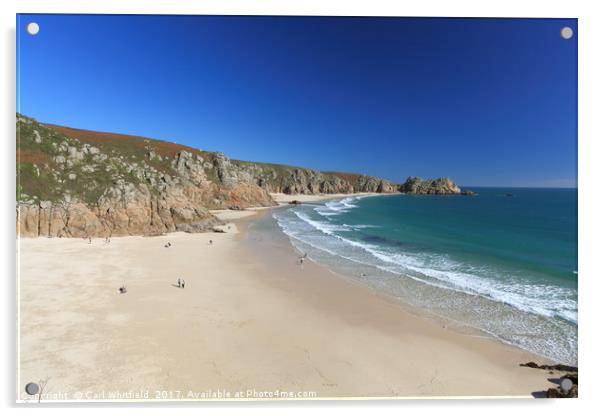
(590, 34)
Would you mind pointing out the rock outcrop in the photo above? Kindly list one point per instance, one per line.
(553, 367)
(143, 216)
(440, 186)
(74, 183)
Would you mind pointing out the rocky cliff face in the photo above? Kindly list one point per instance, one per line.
(292, 180)
(79, 183)
(440, 186)
(74, 184)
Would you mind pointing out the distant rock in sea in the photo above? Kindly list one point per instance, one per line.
(441, 186)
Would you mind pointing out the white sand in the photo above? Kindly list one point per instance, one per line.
(243, 322)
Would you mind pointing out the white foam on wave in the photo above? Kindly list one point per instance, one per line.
(338, 207)
(326, 228)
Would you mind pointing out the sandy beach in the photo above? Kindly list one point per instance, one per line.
(250, 323)
(284, 199)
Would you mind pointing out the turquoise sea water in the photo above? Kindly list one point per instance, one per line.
(504, 261)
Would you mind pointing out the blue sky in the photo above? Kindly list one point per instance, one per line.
(484, 101)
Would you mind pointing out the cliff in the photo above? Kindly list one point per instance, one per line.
(79, 183)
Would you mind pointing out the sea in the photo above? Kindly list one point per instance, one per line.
(503, 262)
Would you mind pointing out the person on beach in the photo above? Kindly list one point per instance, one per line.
(210, 242)
(89, 240)
(183, 283)
(179, 283)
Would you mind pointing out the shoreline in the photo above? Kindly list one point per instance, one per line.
(304, 327)
(423, 312)
(416, 311)
(286, 199)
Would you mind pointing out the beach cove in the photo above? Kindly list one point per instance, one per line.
(252, 323)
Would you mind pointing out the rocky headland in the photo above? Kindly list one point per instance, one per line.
(81, 183)
(440, 186)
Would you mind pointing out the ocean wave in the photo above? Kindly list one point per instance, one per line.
(337, 207)
(362, 226)
(325, 227)
(440, 271)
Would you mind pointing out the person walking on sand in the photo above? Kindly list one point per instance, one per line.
(210, 242)
(183, 283)
(179, 283)
(89, 240)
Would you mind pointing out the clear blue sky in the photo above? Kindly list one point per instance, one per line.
(485, 101)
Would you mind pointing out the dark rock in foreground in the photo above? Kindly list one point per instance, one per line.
(568, 384)
(554, 367)
(557, 393)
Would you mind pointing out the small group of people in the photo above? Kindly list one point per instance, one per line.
(107, 240)
(181, 283)
(168, 245)
(123, 289)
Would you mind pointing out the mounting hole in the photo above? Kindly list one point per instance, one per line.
(566, 385)
(566, 32)
(32, 28)
(32, 389)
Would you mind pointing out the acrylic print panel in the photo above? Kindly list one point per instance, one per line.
(237, 207)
